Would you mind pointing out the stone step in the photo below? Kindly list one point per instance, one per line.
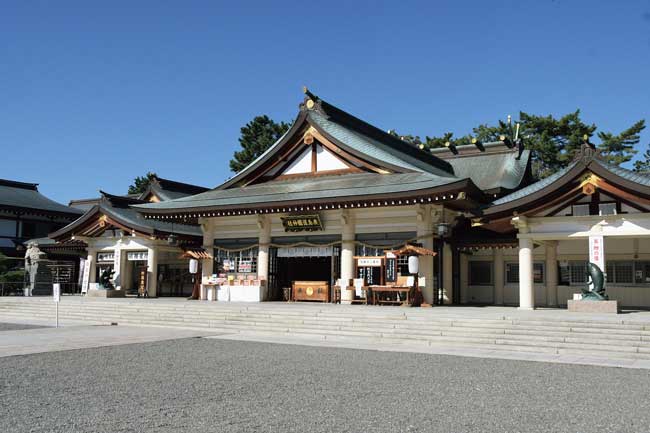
(379, 325)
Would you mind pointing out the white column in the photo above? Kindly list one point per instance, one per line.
(119, 277)
(207, 265)
(90, 262)
(264, 225)
(425, 229)
(152, 272)
(526, 293)
(347, 254)
(464, 274)
(551, 273)
(499, 275)
(447, 273)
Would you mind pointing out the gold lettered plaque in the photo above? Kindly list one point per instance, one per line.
(302, 223)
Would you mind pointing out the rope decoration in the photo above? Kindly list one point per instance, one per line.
(331, 244)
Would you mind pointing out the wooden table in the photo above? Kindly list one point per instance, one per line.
(310, 291)
(390, 289)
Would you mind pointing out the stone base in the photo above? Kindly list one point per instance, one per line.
(94, 293)
(592, 306)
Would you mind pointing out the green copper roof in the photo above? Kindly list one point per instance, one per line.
(372, 147)
(132, 218)
(491, 171)
(117, 207)
(355, 136)
(534, 187)
(632, 176)
(26, 196)
(306, 189)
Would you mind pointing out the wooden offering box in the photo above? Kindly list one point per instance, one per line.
(310, 291)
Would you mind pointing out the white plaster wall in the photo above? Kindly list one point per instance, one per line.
(568, 250)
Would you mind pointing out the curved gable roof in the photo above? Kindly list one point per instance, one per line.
(587, 160)
(353, 135)
(118, 208)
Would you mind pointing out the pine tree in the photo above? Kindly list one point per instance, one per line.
(620, 148)
(257, 136)
(554, 141)
(141, 183)
(643, 165)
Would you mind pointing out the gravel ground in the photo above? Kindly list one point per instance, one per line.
(210, 385)
(17, 326)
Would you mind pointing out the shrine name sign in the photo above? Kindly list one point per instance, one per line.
(302, 223)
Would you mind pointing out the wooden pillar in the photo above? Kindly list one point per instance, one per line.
(447, 273)
(499, 276)
(464, 274)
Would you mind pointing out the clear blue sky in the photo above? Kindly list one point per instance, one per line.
(93, 94)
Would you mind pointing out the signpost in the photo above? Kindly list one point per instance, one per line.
(391, 267)
(56, 295)
(86, 277)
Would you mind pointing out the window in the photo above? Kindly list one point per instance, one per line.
(512, 273)
(607, 209)
(617, 272)
(580, 210)
(642, 272)
(578, 272)
(480, 273)
(622, 272)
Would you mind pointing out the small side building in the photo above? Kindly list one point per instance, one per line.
(26, 214)
(144, 255)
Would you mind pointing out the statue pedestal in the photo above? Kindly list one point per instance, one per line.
(592, 306)
(99, 293)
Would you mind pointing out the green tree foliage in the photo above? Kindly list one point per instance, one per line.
(7, 273)
(553, 140)
(643, 165)
(141, 183)
(256, 136)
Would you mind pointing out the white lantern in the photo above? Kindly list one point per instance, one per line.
(414, 264)
(194, 266)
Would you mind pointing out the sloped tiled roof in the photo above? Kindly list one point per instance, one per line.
(491, 171)
(118, 208)
(308, 189)
(26, 196)
(534, 187)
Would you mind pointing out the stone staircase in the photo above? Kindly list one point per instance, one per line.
(559, 332)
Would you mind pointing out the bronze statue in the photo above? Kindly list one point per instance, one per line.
(597, 279)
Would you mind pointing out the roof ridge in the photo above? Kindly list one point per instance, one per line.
(170, 185)
(342, 117)
(17, 184)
